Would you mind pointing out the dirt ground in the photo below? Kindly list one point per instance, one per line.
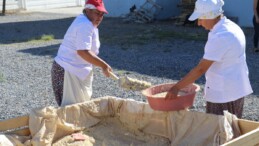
(138, 33)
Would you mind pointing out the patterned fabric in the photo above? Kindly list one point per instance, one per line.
(234, 107)
(57, 76)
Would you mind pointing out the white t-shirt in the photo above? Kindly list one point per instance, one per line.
(227, 78)
(81, 35)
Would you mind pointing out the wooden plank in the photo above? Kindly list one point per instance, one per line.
(21, 132)
(14, 123)
(250, 134)
(249, 139)
(247, 125)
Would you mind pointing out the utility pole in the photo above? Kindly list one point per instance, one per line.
(3, 10)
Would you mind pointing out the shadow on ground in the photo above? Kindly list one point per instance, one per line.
(42, 51)
(16, 32)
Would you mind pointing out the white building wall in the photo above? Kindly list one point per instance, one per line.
(169, 10)
(118, 8)
(10, 5)
(40, 4)
(47, 4)
(243, 9)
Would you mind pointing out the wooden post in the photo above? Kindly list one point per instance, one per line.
(3, 10)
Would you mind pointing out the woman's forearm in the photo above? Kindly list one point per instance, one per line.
(92, 58)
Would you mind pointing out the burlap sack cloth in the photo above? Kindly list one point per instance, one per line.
(182, 128)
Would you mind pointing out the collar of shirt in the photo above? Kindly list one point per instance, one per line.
(218, 24)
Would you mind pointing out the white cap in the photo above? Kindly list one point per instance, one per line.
(207, 9)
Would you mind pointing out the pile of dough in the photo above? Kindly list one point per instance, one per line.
(133, 84)
(163, 94)
(112, 132)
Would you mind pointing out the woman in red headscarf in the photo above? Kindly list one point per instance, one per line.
(72, 70)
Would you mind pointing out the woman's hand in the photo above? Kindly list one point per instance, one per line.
(106, 70)
(172, 93)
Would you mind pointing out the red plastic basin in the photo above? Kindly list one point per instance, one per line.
(160, 103)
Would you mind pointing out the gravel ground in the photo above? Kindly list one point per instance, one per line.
(159, 52)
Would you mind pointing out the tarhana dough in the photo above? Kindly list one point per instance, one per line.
(111, 132)
(133, 84)
(163, 94)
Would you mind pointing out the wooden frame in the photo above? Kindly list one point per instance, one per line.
(250, 134)
(18, 125)
(249, 130)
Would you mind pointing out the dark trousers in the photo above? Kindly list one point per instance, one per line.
(234, 107)
(57, 77)
(256, 32)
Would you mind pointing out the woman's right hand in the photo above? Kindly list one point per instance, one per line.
(106, 70)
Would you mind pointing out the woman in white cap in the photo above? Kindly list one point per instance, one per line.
(72, 70)
(224, 61)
